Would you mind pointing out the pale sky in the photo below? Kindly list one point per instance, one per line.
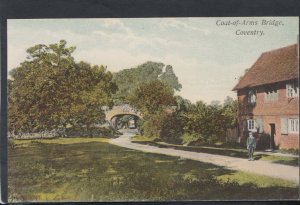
(207, 58)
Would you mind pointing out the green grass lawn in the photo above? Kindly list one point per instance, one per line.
(90, 169)
(240, 153)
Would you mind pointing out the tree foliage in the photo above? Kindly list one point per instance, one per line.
(152, 96)
(163, 125)
(209, 122)
(170, 78)
(183, 105)
(230, 110)
(130, 79)
(50, 90)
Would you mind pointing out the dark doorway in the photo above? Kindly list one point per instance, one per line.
(273, 133)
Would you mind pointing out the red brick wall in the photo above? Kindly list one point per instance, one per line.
(284, 105)
(284, 141)
(290, 141)
(271, 112)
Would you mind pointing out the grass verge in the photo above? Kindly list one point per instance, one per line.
(90, 169)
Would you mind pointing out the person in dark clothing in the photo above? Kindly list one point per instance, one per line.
(251, 145)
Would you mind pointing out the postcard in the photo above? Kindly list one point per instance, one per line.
(153, 109)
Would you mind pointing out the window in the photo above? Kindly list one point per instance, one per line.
(292, 90)
(251, 97)
(289, 125)
(293, 125)
(251, 125)
(271, 95)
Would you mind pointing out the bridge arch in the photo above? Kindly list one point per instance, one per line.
(117, 112)
(110, 116)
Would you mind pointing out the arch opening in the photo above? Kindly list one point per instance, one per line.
(124, 121)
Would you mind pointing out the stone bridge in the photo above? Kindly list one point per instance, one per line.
(112, 115)
(124, 109)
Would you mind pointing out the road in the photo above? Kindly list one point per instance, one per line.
(266, 168)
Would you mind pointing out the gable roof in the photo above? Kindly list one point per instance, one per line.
(272, 66)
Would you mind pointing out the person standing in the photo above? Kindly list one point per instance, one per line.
(251, 145)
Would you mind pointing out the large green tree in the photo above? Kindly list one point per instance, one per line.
(156, 101)
(170, 78)
(152, 96)
(50, 90)
(130, 79)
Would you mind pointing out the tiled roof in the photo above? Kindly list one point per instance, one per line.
(272, 66)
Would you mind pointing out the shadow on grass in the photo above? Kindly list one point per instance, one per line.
(225, 152)
(292, 161)
(98, 171)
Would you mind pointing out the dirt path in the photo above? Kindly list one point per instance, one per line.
(258, 167)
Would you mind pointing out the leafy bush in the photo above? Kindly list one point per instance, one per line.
(163, 125)
(91, 132)
(210, 121)
(190, 138)
(170, 128)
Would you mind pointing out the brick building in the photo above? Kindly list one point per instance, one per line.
(268, 96)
